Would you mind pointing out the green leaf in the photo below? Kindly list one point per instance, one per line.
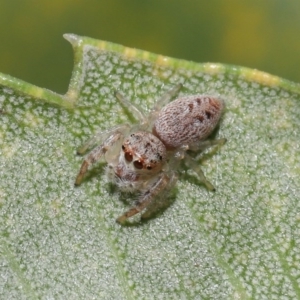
(62, 242)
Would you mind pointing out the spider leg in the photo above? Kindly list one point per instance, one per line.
(202, 145)
(147, 197)
(95, 155)
(135, 111)
(194, 165)
(99, 137)
(165, 99)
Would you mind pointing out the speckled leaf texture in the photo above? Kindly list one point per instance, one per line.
(62, 242)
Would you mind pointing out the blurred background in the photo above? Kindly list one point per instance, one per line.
(262, 34)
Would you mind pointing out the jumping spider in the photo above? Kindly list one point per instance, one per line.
(145, 157)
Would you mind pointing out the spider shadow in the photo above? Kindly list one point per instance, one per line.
(154, 210)
(159, 205)
(97, 171)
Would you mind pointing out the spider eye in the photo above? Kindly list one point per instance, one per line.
(149, 168)
(138, 164)
(128, 156)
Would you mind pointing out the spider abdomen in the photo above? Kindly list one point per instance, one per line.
(187, 120)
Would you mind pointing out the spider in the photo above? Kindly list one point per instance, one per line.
(145, 157)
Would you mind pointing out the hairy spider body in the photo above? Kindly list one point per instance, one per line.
(145, 158)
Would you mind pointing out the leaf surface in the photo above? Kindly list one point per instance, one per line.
(58, 241)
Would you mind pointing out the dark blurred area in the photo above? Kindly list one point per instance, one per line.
(252, 33)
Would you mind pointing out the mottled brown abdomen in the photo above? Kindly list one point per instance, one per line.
(188, 120)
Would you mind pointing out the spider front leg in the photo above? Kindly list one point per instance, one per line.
(110, 138)
(149, 196)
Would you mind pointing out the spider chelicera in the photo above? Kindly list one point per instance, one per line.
(144, 157)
